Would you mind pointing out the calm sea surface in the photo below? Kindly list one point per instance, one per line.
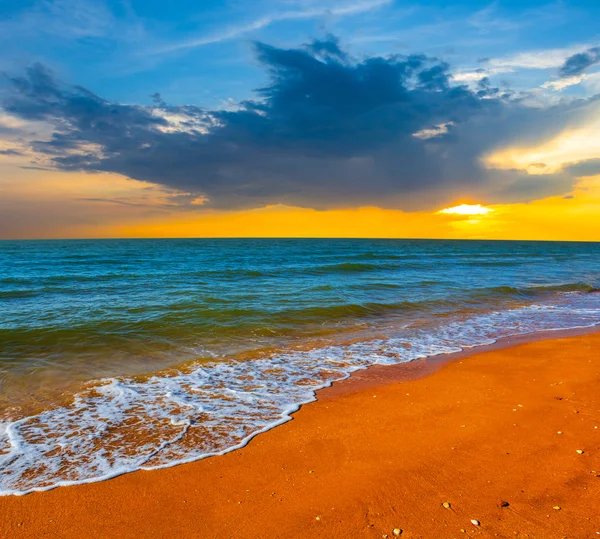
(117, 355)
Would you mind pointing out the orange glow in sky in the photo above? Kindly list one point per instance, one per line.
(51, 204)
(56, 205)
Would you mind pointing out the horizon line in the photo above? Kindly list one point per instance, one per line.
(107, 238)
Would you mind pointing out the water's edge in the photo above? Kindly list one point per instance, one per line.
(431, 364)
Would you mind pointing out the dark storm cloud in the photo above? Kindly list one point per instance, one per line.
(578, 63)
(326, 131)
(590, 167)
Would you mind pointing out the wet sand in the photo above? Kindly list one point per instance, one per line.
(379, 452)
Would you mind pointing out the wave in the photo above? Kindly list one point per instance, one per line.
(119, 425)
(535, 291)
(341, 311)
(377, 286)
(169, 325)
(14, 294)
(350, 267)
(155, 326)
(378, 256)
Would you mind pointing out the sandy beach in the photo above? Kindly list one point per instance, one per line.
(508, 438)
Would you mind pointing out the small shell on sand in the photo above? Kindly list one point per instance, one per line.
(396, 531)
(475, 522)
(579, 451)
(446, 505)
(556, 508)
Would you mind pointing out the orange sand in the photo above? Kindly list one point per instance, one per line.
(374, 454)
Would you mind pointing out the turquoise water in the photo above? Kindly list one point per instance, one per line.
(117, 355)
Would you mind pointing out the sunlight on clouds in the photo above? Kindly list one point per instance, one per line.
(473, 76)
(467, 209)
(538, 59)
(199, 201)
(8, 121)
(470, 76)
(471, 221)
(182, 123)
(566, 82)
(436, 130)
(571, 147)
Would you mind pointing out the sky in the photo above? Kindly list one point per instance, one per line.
(349, 118)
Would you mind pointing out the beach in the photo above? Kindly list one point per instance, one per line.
(508, 438)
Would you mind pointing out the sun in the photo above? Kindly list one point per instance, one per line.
(467, 209)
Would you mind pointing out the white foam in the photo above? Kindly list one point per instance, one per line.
(120, 425)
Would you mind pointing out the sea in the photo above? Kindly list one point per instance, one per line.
(121, 355)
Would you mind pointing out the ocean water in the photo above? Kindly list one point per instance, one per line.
(119, 355)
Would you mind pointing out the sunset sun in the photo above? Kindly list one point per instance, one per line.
(467, 209)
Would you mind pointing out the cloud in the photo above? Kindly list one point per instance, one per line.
(536, 59)
(339, 10)
(590, 167)
(561, 84)
(326, 131)
(473, 76)
(434, 131)
(566, 59)
(576, 64)
(69, 19)
(470, 76)
(575, 149)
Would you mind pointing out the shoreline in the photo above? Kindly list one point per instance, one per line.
(380, 374)
(370, 375)
(30, 515)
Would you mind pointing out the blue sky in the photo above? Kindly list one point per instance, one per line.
(199, 52)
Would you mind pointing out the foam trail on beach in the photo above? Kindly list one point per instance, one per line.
(118, 425)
